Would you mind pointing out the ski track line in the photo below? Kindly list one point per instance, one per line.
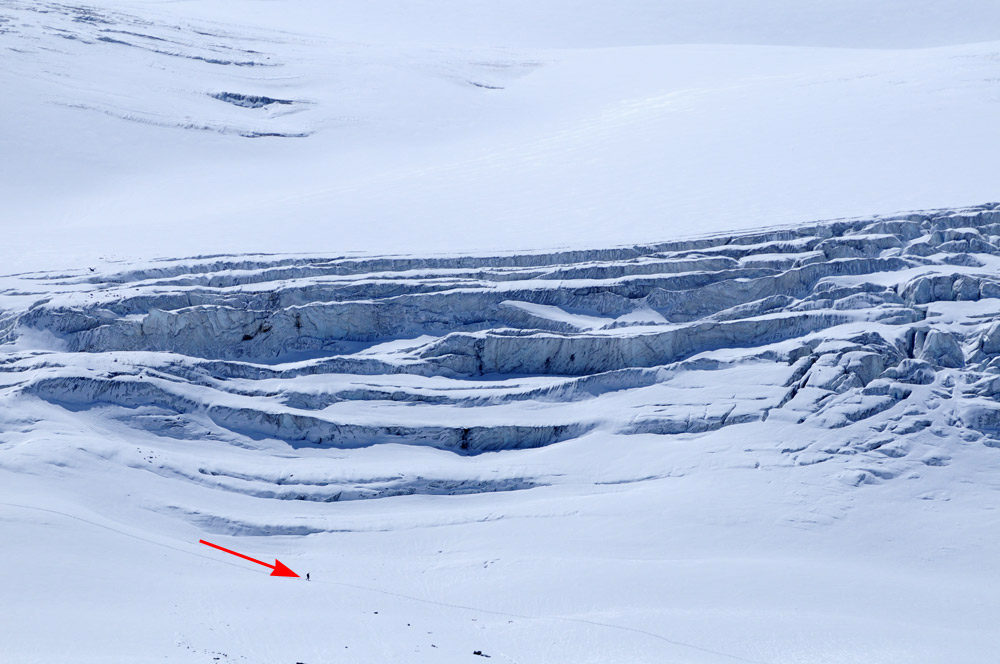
(126, 534)
(563, 618)
(461, 607)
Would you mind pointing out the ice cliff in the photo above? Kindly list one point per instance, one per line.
(886, 329)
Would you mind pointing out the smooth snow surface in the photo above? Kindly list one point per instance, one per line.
(507, 322)
(437, 127)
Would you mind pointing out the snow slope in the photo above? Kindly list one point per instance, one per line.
(507, 322)
(464, 127)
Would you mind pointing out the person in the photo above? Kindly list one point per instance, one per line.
(307, 576)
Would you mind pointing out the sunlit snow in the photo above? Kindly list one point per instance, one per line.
(538, 331)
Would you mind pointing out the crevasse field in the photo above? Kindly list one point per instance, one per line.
(553, 331)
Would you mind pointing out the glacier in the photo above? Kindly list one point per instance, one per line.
(536, 331)
(258, 397)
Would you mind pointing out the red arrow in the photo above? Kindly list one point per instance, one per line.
(278, 567)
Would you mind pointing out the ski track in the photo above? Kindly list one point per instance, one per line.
(390, 593)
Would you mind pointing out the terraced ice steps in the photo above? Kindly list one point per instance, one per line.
(869, 345)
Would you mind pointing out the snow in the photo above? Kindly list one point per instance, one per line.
(606, 127)
(770, 459)
(506, 321)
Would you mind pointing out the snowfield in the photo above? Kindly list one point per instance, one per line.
(425, 128)
(509, 322)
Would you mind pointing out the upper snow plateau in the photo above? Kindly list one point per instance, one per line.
(138, 129)
(533, 330)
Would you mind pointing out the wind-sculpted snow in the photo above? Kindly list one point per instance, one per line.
(175, 51)
(884, 330)
(203, 76)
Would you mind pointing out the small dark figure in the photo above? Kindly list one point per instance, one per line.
(307, 576)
